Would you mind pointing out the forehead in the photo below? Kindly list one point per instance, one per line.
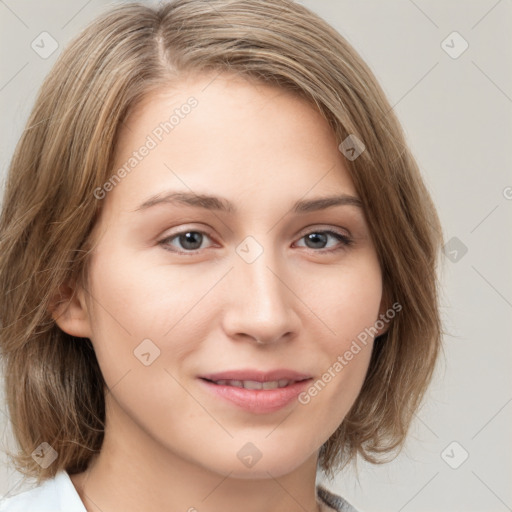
(240, 138)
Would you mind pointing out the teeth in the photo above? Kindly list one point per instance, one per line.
(252, 384)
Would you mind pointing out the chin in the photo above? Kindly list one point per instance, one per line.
(274, 462)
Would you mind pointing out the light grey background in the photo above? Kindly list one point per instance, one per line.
(457, 115)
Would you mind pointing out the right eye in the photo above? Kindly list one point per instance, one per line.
(189, 241)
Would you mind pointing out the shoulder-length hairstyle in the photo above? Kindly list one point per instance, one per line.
(54, 387)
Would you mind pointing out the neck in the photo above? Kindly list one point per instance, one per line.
(152, 478)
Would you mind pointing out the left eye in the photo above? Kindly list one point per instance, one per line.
(192, 240)
(316, 238)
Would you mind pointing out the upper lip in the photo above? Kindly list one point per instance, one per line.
(257, 375)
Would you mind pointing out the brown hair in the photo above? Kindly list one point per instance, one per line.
(54, 388)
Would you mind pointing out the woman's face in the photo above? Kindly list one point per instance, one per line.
(263, 288)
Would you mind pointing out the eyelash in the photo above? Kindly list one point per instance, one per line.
(344, 239)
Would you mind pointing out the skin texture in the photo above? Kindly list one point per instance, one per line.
(169, 443)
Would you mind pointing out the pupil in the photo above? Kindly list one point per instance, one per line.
(191, 237)
(316, 238)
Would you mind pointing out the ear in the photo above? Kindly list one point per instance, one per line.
(69, 310)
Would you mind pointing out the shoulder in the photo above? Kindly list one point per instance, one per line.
(334, 501)
(54, 495)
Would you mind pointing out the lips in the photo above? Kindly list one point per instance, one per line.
(257, 375)
(254, 384)
(257, 391)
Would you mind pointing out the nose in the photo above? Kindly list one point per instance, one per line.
(262, 303)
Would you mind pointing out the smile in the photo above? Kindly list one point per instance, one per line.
(255, 391)
(253, 384)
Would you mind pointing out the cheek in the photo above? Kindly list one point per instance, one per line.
(131, 313)
(349, 307)
(139, 300)
(350, 301)
(145, 323)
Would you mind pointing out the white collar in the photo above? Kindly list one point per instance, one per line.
(56, 494)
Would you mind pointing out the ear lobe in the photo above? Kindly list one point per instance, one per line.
(69, 310)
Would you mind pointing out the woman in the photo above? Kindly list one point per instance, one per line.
(219, 264)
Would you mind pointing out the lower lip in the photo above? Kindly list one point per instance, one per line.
(258, 401)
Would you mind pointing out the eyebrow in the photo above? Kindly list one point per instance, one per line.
(209, 202)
